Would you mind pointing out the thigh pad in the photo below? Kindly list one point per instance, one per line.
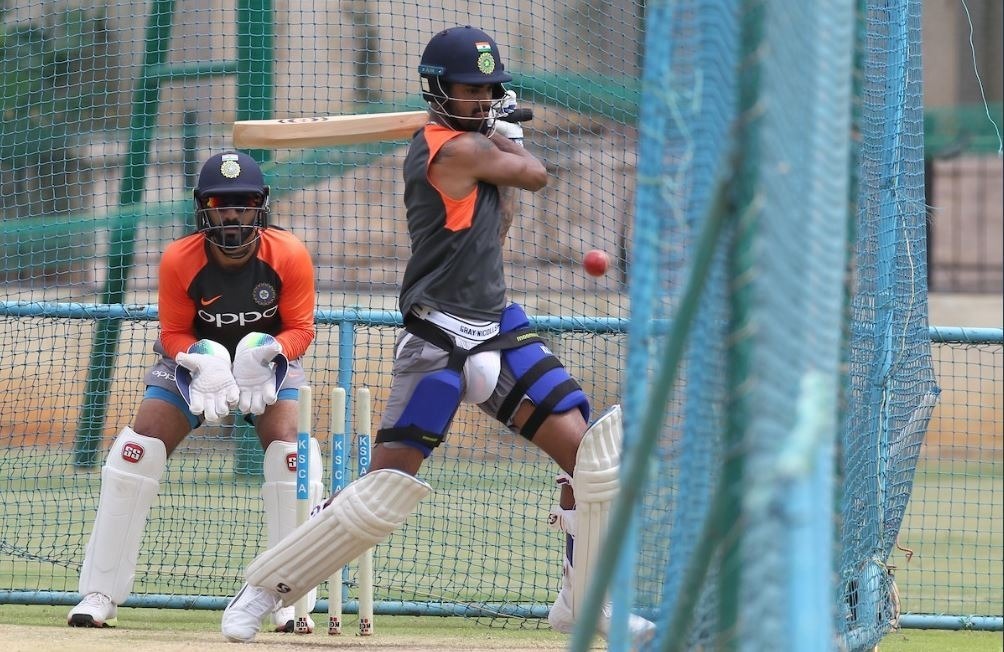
(539, 376)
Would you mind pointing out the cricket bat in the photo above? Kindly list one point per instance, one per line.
(327, 131)
(332, 130)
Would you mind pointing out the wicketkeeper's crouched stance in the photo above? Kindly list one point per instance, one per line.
(234, 289)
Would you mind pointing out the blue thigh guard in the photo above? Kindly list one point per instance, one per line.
(539, 376)
(429, 412)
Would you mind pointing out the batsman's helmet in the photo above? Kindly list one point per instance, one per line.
(231, 176)
(461, 55)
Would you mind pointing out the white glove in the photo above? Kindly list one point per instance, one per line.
(507, 104)
(511, 130)
(212, 390)
(255, 371)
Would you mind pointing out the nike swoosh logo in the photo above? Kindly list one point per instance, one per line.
(208, 302)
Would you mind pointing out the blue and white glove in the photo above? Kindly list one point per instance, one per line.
(259, 369)
(511, 130)
(205, 380)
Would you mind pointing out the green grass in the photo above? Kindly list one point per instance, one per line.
(954, 527)
(194, 620)
(920, 640)
(207, 525)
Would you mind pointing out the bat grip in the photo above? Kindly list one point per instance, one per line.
(518, 115)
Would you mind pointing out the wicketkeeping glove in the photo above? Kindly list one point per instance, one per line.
(259, 368)
(511, 130)
(205, 380)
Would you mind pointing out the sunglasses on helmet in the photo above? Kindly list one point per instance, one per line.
(233, 201)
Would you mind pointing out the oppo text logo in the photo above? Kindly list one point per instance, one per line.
(240, 318)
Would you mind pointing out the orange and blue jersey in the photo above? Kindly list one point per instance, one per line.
(272, 293)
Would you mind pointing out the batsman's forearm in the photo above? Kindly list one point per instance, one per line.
(531, 174)
(508, 203)
(507, 145)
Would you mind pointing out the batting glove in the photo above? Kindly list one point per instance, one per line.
(255, 363)
(511, 130)
(205, 380)
(508, 104)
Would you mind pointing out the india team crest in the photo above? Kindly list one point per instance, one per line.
(486, 62)
(264, 294)
(230, 168)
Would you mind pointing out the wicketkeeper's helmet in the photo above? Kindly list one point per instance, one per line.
(237, 180)
(231, 179)
(230, 173)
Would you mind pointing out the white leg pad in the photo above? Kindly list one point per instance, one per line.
(595, 483)
(130, 480)
(561, 617)
(354, 520)
(278, 492)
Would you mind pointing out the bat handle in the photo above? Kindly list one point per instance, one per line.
(518, 115)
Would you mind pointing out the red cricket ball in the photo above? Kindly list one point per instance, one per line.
(596, 262)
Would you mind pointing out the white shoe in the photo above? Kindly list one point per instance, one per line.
(95, 610)
(561, 620)
(284, 619)
(242, 617)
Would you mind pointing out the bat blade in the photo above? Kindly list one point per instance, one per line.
(327, 131)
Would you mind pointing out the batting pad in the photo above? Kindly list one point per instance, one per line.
(357, 518)
(595, 483)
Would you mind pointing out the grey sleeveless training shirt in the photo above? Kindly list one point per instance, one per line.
(456, 256)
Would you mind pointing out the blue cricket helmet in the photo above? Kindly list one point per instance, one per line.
(230, 173)
(463, 55)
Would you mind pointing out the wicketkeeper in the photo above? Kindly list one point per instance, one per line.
(462, 342)
(238, 289)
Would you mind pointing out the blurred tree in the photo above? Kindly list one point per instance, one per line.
(53, 84)
(54, 81)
